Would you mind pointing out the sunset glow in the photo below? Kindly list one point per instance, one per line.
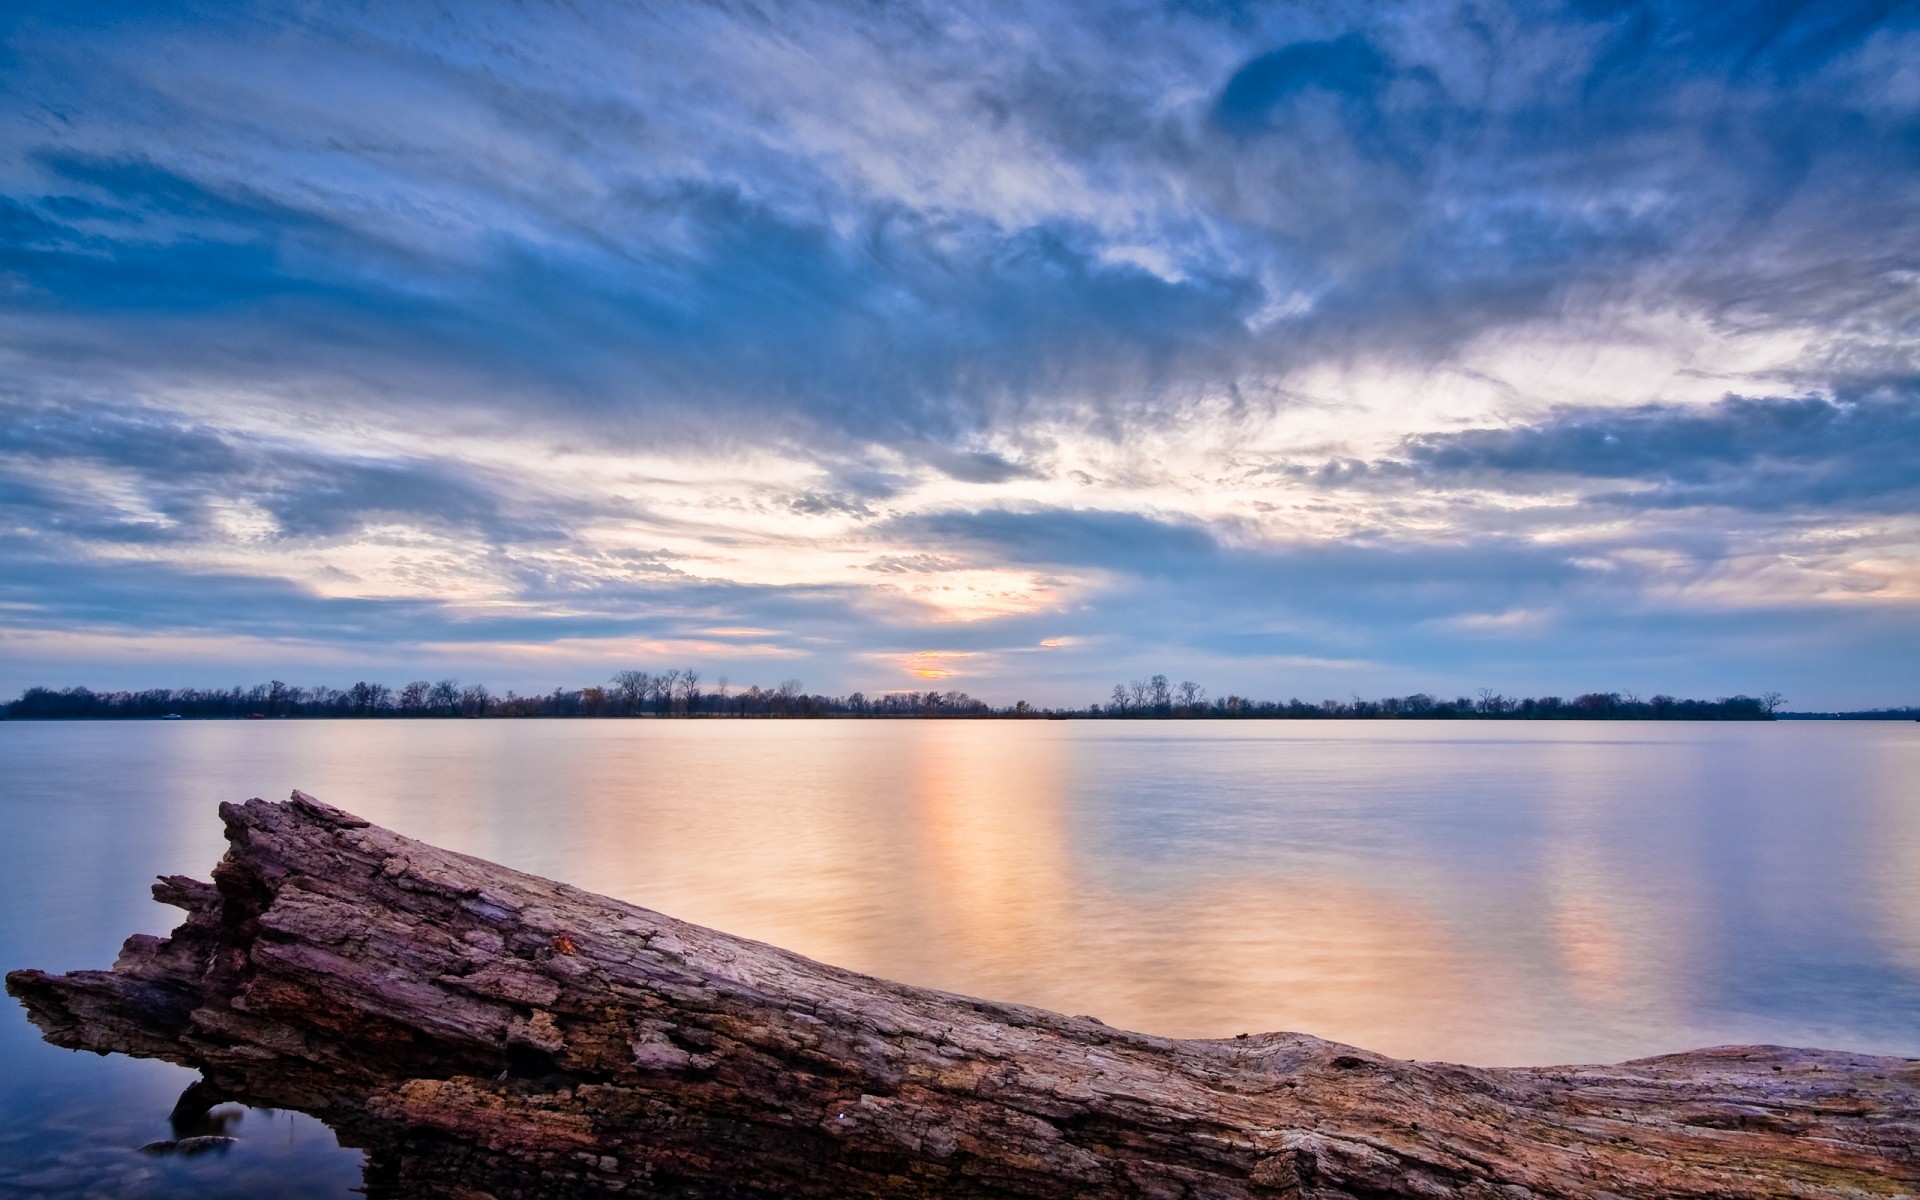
(1286, 351)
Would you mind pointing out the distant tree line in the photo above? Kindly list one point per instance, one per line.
(680, 693)
(1157, 698)
(1910, 713)
(629, 693)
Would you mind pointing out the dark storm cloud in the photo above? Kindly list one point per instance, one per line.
(1856, 452)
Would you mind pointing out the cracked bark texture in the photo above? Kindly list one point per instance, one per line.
(483, 1032)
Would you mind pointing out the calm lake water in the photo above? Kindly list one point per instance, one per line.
(1493, 894)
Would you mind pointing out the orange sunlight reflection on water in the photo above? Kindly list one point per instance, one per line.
(1520, 894)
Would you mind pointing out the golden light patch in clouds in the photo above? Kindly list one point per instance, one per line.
(932, 664)
(975, 595)
(558, 528)
(1889, 577)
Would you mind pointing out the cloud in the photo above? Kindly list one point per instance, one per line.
(821, 504)
(686, 267)
(1062, 537)
(1350, 66)
(176, 475)
(1379, 110)
(912, 564)
(1852, 452)
(977, 466)
(581, 321)
(902, 328)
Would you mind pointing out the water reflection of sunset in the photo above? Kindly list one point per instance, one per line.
(993, 851)
(1380, 886)
(1000, 892)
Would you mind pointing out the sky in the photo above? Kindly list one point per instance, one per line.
(1298, 350)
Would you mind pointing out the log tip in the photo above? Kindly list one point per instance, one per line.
(24, 980)
(184, 891)
(44, 998)
(326, 813)
(258, 814)
(235, 816)
(34, 990)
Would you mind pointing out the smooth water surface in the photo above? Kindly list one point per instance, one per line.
(1478, 892)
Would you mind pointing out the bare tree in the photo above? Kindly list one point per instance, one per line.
(370, 698)
(1192, 695)
(689, 689)
(1771, 701)
(445, 696)
(633, 687)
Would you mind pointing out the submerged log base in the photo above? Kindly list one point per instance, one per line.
(488, 1033)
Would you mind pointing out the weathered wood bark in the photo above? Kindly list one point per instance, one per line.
(486, 1032)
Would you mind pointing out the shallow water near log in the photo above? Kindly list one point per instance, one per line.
(1494, 894)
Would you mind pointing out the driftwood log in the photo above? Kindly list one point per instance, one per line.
(483, 1032)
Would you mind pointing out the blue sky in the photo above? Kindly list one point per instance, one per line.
(1297, 350)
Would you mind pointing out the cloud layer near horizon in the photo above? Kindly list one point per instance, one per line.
(1295, 350)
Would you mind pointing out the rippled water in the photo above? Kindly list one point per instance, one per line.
(1476, 892)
